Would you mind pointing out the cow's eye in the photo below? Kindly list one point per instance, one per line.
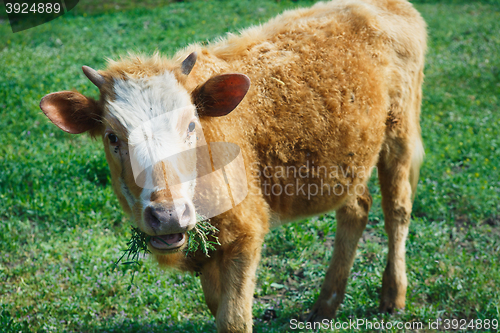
(113, 139)
(191, 126)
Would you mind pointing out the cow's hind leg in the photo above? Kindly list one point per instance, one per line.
(398, 170)
(351, 221)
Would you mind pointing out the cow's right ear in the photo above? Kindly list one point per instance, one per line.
(71, 111)
(220, 95)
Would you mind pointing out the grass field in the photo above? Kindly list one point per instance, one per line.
(61, 227)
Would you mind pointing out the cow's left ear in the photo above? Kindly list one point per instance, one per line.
(221, 94)
(71, 111)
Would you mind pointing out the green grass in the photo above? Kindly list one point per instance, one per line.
(61, 227)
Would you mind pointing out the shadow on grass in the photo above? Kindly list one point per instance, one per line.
(281, 323)
(131, 326)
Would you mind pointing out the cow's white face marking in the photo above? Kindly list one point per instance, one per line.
(140, 100)
(158, 155)
(162, 131)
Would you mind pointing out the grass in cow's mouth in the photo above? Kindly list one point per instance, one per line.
(138, 243)
(201, 237)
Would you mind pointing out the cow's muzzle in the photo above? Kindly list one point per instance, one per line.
(168, 224)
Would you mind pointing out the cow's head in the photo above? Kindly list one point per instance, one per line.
(151, 132)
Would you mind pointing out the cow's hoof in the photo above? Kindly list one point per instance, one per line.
(391, 303)
(311, 316)
(317, 315)
(389, 307)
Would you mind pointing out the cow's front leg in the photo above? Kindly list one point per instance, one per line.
(228, 284)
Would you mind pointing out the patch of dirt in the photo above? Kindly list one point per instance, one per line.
(370, 236)
(493, 221)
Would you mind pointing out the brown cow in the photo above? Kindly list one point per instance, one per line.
(335, 91)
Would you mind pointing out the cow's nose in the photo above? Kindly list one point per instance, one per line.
(168, 218)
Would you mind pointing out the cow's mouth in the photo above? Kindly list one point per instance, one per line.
(168, 242)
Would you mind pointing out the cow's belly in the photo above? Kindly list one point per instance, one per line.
(279, 218)
(307, 191)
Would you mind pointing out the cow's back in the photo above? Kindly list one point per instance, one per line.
(324, 84)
